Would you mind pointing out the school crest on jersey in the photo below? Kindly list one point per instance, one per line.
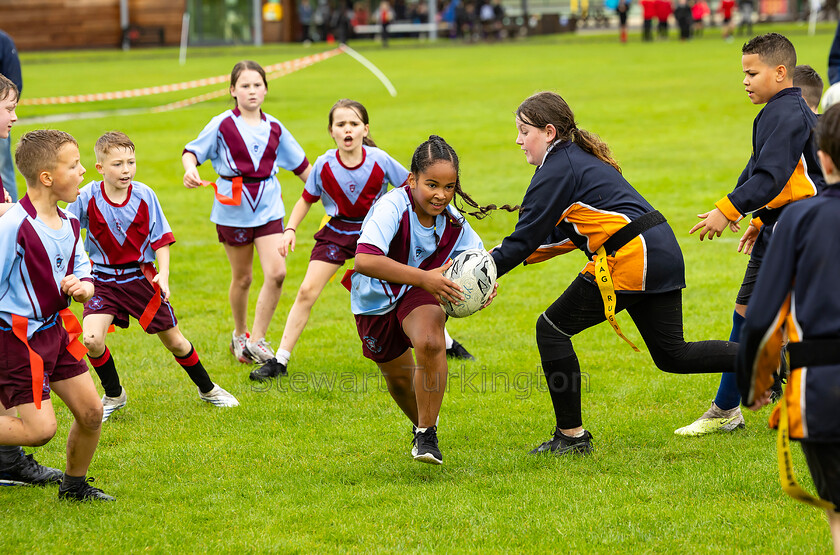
(418, 252)
(59, 262)
(352, 187)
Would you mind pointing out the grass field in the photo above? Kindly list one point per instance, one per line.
(320, 460)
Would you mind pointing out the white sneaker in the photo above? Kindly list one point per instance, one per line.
(260, 351)
(219, 397)
(714, 420)
(239, 347)
(112, 404)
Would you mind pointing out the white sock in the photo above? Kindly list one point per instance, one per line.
(448, 338)
(579, 434)
(421, 430)
(283, 356)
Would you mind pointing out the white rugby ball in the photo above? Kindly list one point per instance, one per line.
(475, 271)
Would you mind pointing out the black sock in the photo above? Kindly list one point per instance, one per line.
(9, 454)
(563, 377)
(107, 372)
(195, 370)
(70, 481)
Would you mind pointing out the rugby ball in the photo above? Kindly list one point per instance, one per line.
(475, 271)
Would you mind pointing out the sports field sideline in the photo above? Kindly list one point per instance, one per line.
(319, 460)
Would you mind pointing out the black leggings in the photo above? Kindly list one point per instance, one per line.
(658, 317)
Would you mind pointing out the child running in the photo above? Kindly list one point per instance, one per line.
(783, 168)
(17, 468)
(578, 199)
(797, 291)
(43, 266)
(246, 146)
(405, 243)
(126, 233)
(348, 180)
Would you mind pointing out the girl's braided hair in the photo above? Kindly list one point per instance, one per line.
(436, 149)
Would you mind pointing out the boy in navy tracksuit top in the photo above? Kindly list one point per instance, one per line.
(797, 290)
(783, 168)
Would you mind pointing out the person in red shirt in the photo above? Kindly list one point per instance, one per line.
(725, 9)
(663, 12)
(648, 13)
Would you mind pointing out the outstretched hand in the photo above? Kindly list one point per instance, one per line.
(761, 401)
(287, 242)
(713, 224)
(491, 297)
(192, 179)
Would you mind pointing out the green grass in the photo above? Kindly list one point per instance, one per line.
(316, 464)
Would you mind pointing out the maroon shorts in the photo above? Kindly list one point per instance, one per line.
(241, 236)
(16, 372)
(336, 242)
(382, 335)
(128, 295)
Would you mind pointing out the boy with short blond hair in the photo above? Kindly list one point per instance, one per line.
(42, 266)
(126, 233)
(782, 169)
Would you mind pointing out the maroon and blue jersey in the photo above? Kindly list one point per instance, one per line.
(349, 192)
(121, 236)
(392, 229)
(237, 149)
(34, 259)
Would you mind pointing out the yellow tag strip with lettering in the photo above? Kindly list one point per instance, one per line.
(786, 474)
(605, 286)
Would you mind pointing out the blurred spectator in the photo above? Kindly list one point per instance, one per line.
(663, 12)
(648, 13)
(726, 8)
(384, 15)
(699, 11)
(305, 15)
(682, 14)
(745, 7)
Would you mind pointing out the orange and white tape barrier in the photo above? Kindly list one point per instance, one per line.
(277, 70)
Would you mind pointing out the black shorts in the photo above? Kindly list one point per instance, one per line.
(824, 464)
(753, 266)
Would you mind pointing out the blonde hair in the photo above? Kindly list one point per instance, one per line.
(7, 87)
(109, 141)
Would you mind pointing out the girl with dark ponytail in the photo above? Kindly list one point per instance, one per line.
(578, 200)
(408, 239)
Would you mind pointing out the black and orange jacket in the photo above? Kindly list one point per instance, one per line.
(783, 167)
(797, 290)
(576, 201)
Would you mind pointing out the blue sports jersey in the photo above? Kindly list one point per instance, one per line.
(350, 192)
(253, 152)
(392, 229)
(121, 234)
(34, 259)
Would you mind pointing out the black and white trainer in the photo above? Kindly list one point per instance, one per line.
(25, 471)
(458, 351)
(271, 369)
(82, 491)
(561, 444)
(426, 447)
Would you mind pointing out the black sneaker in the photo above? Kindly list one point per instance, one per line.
(426, 447)
(458, 351)
(26, 471)
(560, 444)
(270, 369)
(82, 491)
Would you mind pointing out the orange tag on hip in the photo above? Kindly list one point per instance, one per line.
(236, 192)
(155, 302)
(36, 363)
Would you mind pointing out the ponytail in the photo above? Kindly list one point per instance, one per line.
(548, 108)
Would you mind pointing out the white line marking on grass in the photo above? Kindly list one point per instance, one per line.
(373, 69)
